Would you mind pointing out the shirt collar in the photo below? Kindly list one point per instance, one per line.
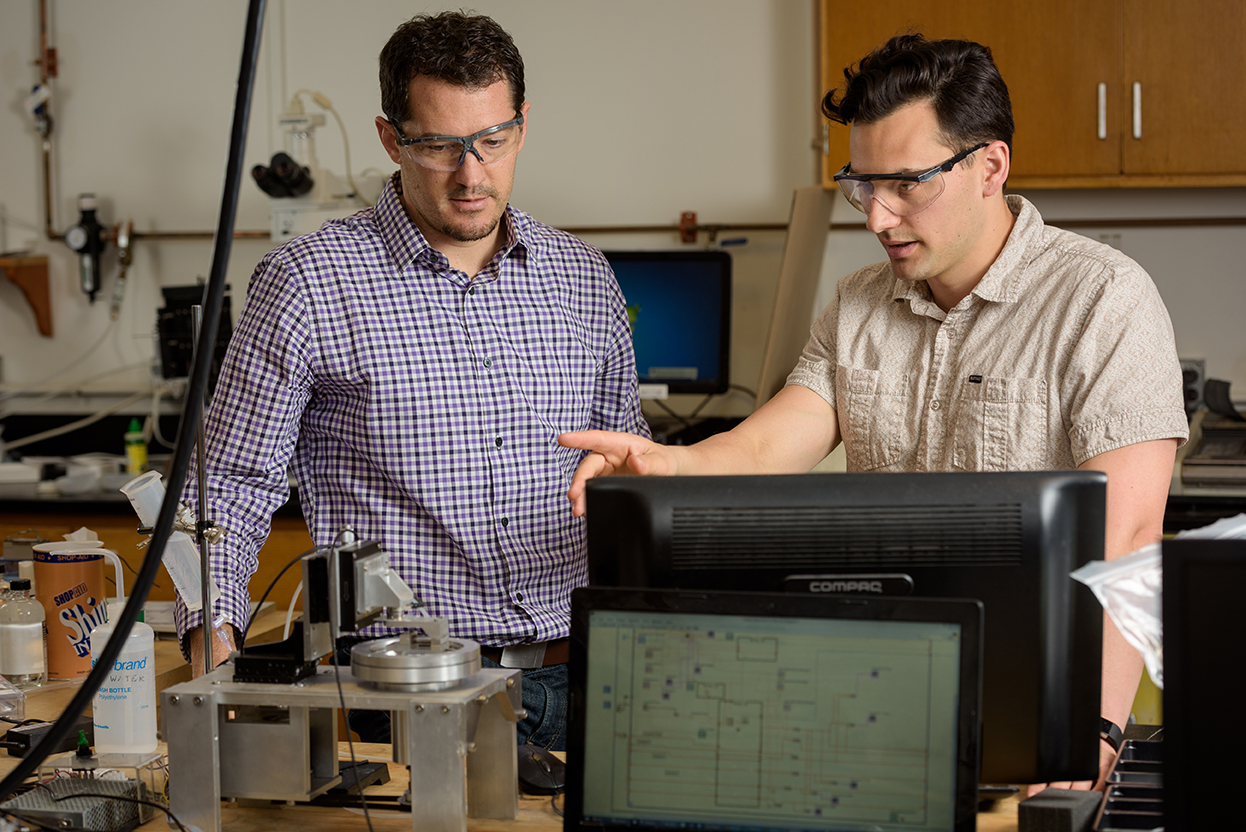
(1009, 276)
(919, 296)
(406, 243)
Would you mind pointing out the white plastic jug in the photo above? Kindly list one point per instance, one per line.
(125, 704)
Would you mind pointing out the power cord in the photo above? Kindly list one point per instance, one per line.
(264, 597)
(298, 590)
(327, 105)
(350, 743)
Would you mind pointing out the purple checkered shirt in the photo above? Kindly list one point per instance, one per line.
(422, 408)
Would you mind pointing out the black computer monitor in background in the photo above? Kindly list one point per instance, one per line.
(1009, 540)
(679, 306)
(1203, 582)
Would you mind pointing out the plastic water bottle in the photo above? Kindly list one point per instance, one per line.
(23, 654)
(135, 448)
(125, 704)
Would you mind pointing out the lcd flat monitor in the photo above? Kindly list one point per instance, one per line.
(743, 711)
(679, 308)
(1202, 598)
(1009, 540)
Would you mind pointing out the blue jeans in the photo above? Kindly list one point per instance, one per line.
(544, 695)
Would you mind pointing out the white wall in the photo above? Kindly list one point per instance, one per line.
(640, 110)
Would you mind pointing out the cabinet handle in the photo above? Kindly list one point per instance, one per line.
(1137, 109)
(1103, 112)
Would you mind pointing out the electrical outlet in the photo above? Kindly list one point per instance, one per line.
(1112, 239)
(1193, 374)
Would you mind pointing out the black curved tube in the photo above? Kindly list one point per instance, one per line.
(191, 410)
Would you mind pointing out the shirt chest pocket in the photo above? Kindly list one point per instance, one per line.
(876, 417)
(1000, 424)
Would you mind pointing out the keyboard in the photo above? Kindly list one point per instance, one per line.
(1134, 798)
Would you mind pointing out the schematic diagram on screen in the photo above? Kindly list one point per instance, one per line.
(818, 728)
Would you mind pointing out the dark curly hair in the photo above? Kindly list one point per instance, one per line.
(958, 77)
(468, 50)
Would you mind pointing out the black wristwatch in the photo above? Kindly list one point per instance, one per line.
(1110, 733)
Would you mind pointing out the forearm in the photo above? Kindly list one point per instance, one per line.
(1122, 670)
(1138, 477)
(790, 434)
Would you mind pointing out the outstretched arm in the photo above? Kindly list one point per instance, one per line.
(789, 434)
(1138, 480)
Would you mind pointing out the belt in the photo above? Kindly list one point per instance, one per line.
(555, 652)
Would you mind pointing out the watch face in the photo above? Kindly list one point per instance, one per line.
(76, 238)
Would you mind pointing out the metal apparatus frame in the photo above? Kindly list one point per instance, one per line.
(279, 742)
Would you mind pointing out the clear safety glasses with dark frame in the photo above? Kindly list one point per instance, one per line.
(903, 194)
(493, 144)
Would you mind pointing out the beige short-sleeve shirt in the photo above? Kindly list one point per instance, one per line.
(1063, 351)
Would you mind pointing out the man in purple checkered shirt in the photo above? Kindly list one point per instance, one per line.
(413, 366)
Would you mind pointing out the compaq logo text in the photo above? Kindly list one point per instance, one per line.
(846, 586)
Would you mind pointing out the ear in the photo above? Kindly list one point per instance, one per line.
(997, 160)
(523, 130)
(388, 139)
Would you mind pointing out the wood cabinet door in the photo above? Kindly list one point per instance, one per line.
(1053, 56)
(1189, 59)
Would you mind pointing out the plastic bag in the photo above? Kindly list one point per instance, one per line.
(1131, 589)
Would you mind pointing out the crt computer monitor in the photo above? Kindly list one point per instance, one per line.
(679, 308)
(1008, 539)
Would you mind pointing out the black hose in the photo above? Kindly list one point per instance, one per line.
(191, 412)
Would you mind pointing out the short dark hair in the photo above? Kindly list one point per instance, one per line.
(958, 77)
(468, 50)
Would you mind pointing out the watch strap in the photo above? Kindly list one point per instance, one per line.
(1110, 733)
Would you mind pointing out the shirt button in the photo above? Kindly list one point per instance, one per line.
(518, 596)
(498, 441)
(505, 522)
(934, 405)
(488, 363)
(471, 290)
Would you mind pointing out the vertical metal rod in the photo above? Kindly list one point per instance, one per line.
(46, 145)
(196, 321)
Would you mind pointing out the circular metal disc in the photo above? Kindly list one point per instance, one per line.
(395, 664)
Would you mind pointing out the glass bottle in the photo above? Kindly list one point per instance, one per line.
(23, 654)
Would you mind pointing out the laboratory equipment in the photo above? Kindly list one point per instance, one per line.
(87, 239)
(265, 728)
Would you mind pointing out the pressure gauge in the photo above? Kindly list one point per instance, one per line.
(77, 238)
(87, 239)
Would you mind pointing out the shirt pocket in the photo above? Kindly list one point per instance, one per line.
(1000, 424)
(875, 418)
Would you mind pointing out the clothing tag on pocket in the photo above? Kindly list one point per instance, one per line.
(975, 379)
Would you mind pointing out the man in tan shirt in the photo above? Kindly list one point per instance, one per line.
(987, 341)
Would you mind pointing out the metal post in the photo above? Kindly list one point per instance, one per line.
(196, 320)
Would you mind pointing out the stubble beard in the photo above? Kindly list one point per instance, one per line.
(467, 232)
